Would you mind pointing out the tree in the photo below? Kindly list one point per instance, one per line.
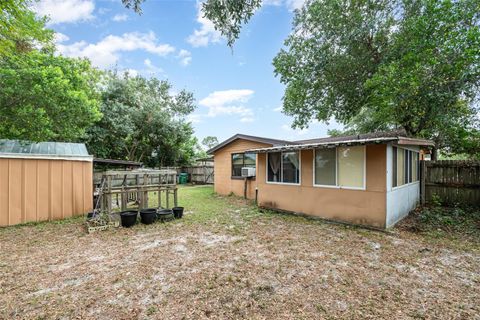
(20, 29)
(46, 97)
(376, 64)
(143, 122)
(210, 142)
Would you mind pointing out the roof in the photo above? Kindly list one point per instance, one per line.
(273, 142)
(43, 150)
(118, 162)
(361, 139)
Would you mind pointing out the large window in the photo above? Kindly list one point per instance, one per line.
(340, 167)
(283, 167)
(241, 160)
(404, 166)
(326, 167)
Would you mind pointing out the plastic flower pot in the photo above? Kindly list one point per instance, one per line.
(164, 214)
(177, 212)
(129, 218)
(148, 216)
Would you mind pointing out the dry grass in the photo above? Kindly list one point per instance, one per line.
(227, 260)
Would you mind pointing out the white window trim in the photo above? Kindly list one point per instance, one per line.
(281, 170)
(418, 159)
(336, 186)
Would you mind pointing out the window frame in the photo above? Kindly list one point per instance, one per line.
(243, 164)
(336, 186)
(281, 169)
(408, 169)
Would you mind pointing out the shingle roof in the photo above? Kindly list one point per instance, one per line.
(273, 142)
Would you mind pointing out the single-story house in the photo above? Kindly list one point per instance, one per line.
(367, 179)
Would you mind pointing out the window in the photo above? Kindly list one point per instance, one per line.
(341, 167)
(283, 167)
(404, 166)
(325, 167)
(241, 160)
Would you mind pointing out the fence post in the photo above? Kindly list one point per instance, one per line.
(423, 174)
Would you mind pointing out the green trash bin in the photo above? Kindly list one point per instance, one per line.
(183, 178)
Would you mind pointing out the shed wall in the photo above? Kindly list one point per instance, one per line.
(365, 207)
(37, 189)
(224, 183)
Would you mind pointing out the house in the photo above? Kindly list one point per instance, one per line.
(367, 179)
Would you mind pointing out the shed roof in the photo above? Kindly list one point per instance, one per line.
(43, 150)
(273, 142)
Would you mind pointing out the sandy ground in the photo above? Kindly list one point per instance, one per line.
(240, 265)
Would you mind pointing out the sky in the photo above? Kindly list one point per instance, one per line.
(235, 90)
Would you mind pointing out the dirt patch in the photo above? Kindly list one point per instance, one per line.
(226, 260)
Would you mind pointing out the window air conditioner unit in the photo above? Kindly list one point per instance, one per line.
(248, 172)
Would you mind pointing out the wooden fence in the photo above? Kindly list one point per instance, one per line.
(199, 174)
(452, 181)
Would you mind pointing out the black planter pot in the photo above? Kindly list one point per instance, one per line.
(148, 216)
(164, 214)
(177, 212)
(129, 218)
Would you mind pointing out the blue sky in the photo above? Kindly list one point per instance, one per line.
(235, 91)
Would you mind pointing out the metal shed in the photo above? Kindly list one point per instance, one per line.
(43, 181)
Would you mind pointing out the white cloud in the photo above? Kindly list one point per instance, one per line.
(194, 118)
(206, 34)
(185, 57)
(106, 52)
(151, 67)
(290, 4)
(229, 102)
(278, 109)
(295, 4)
(120, 17)
(247, 119)
(60, 37)
(132, 72)
(65, 11)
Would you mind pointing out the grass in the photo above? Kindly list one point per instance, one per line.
(228, 260)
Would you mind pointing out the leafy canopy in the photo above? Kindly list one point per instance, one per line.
(143, 122)
(20, 29)
(46, 97)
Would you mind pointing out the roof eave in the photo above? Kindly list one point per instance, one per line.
(378, 140)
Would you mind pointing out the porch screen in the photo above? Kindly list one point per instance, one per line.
(325, 167)
(405, 166)
(351, 166)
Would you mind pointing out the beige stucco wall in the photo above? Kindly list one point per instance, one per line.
(223, 182)
(365, 207)
(37, 190)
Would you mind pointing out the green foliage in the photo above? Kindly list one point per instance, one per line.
(46, 97)
(210, 141)
(464, 221)
(144, 122)
(380, 65)
(20, 29)
(228, 16)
